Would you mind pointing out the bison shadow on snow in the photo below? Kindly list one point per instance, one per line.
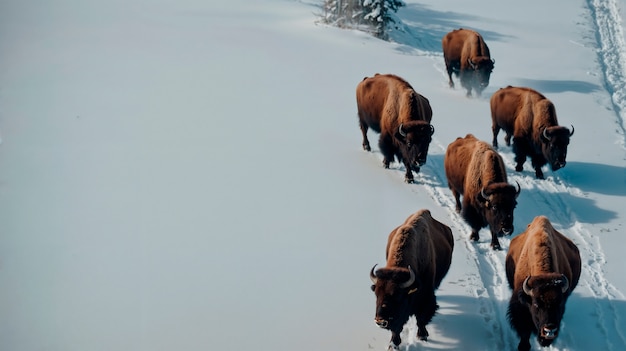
(423, 28)
(595, 177)
(458, 321)
(558, 86)
(583, 209)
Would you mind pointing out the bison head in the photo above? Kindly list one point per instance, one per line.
(554, 145)
(392, 287)
(499, 201)
(545, 297)
(481, 68)
(415, 138)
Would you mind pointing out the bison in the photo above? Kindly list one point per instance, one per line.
(542, 268)
(419, 253)
(389, 105)
(467, 56)
(531, 119)
(476, 171)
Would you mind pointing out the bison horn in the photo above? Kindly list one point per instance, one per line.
(373, 276)
(401, 131)
(432, 130)
(410, 281)
(526, 288)
(519, 189)
(482, 193)
(572, 132)
(545, 134)
(470, 63)
(565, 283)
(493, 61)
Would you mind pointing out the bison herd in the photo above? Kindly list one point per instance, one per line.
(542, 265)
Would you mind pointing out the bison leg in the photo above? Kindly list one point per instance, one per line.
(495, 130)
(450, 70)
(520, 149)
(524, 345)
(537, 163)
(507, 139)
(408, 177)
(385, 143)
(395, 341)
(364, 128)
(472, 217)
(495, 243)
(474, 235)
(521, 320)
(426, 315)
(422, 333)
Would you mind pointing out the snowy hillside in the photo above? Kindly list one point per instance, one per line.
(189, 176)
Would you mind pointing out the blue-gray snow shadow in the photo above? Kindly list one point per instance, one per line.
(423, 28)
(557, 86)
(460, 319)
(569, 209)
(457, 319)
(595, 177)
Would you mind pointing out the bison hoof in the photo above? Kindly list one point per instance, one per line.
(539, 175)
(496, 246)
(422, 334)
(367, 147)
(409, 180)
(519, 168)
(474, 237)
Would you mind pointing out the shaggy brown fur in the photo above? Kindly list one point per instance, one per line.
(543, 255)
(425, 245)
(472, 168)
(384, 103)
(431, 239)
(525, 114)
(542, 249)
(466, 54)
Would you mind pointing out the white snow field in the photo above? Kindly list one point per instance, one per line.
(188, 175)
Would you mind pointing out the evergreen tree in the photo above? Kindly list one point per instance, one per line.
(380, 14)
(377, 14)
(343, 13)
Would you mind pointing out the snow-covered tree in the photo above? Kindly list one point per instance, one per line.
(381, 14)
(343, 13)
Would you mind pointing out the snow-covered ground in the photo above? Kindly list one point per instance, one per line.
(189, 175)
